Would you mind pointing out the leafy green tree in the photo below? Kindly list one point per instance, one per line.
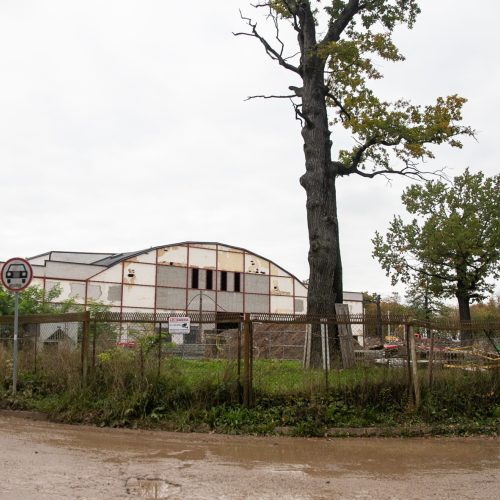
(454, 243)
(391, 307)
(423, 303)
(33, 301)
(340, 44)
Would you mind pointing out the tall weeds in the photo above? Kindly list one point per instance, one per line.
(127, 387)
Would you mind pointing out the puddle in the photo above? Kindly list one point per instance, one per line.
(151, 487)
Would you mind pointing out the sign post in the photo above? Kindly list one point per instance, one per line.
(16, 276)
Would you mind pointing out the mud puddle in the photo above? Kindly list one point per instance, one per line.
(87, 462)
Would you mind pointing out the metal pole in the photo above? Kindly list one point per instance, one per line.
(380, 333)
(14, 355)
(251, 394)
(408, 362)
(202, 340)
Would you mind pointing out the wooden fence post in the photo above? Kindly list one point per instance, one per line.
(408, 362)
(159, 351)
(431, 359)
(85, 343)
(345, 335)
(246, 361)
(306, 361)
(239, 363)
(414, 367)
(94, 340)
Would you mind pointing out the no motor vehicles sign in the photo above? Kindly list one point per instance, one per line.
(16, 274)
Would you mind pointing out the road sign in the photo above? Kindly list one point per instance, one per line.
(179, 325)
(16, 274)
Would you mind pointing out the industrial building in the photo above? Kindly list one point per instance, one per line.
(181, 277)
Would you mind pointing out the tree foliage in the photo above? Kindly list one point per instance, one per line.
(32, 300)
(423, 303)
(347, 40)
(453, 242)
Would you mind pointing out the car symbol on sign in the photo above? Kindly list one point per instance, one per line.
(16, 271)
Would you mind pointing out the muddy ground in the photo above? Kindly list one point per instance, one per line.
(41, 460)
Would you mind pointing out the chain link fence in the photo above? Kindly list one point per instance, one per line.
(245, 347)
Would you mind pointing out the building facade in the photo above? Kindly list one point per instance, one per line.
(181, 277)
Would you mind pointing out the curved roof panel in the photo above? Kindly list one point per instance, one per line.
(121, 257)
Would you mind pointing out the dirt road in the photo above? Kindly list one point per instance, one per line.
(41, 460)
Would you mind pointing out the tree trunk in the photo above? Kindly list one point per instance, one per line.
(464, 315)
(325, 278)
(325, 265)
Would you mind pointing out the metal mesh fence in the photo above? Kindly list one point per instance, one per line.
(43, 349)
(74, 346)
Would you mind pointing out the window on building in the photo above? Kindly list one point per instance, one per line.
(223, 280)
(237, 282)
(210, 279)
(195, 276)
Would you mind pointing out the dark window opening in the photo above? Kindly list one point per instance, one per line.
(223, 280)
(237, 282)
(195, 274)
(209, 280)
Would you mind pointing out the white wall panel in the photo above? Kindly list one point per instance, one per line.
(230, 261)
(139, 274)
(277, 271)
(281, 286)
(199, 257)
(281, 305)
(300, 289)
(138, 296)
(111, 275)
(254, 264)
(176, 255)
(145, 258)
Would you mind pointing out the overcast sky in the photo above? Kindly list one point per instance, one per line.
(123, 126)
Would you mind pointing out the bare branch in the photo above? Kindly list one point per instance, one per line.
(293, 12)
(249, 98)
(410, 170)
(299, 115)
(271, 52)
(430, 275)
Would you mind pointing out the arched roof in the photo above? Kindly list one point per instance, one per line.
(114, 259)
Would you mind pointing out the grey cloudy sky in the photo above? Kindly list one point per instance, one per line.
(123, 126)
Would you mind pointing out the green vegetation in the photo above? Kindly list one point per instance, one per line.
(453, 243)
(33, 301)
(205, 395)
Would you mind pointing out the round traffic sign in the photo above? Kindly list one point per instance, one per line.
(17, 274)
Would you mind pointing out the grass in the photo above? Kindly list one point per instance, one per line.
(122, 390)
